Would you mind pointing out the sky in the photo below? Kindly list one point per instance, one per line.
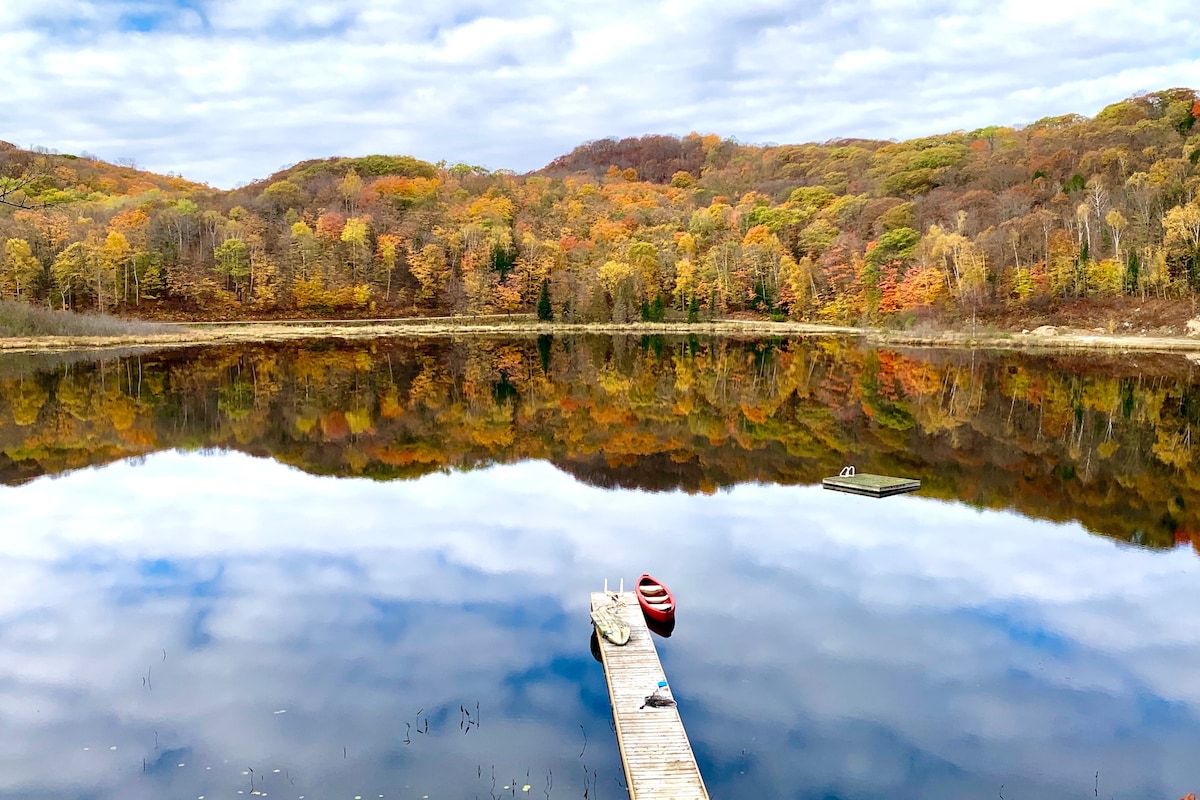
(932, 654)
(228, 91)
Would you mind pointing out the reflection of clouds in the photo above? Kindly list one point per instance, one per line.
(970, 635)
(333, 614)
(904, 646)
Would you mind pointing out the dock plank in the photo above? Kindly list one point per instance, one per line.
(871, 485)
(655, 752)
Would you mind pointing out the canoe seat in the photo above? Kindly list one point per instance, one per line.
(658, 601)
(652, 589)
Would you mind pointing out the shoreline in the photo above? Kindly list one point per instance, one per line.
(195, 334)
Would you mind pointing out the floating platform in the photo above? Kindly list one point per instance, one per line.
(655, 752)
(871, 485)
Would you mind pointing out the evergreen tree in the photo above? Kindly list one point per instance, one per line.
(545, 312)
(658, 309)
(1132, 274)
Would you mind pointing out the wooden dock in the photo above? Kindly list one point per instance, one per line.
(871, 485)
(655, 752)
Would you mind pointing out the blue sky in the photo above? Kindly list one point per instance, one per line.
(226, 92)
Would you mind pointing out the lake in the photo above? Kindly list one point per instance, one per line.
(333, 570)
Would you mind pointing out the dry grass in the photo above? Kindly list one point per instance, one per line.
(130, 334)
(23, 320)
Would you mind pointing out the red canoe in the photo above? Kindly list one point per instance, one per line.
(656, 600)
(663, 629)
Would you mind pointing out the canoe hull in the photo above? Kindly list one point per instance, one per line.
(663, 629)
(663, 613)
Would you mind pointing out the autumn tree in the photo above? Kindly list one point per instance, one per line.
(349, 189)
(233, 261)
(797, 285)
(431, 271)
(387, 251)
(962, 261)
(1182, 227)
(111, 259)
(1116, 225)
(23, 180)
(283, 195)
(20, 268)
(355, 234)
(69, 273)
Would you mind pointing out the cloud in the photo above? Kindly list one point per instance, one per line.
(226, 92)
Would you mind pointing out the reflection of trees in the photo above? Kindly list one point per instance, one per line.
(1109, 444)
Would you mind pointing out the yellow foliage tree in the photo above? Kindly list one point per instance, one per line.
(1105, 277)
(110, 260)
(386, 252)
(20, 268)
(69, 272)
(432, 272)
(355, 234)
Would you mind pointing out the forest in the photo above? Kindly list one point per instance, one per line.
(1105, 442)
(999, 220)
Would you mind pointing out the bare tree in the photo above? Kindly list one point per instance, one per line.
(16, 179)
(12, 192)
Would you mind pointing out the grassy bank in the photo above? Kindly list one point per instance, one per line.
(25, 329)
(24, 320)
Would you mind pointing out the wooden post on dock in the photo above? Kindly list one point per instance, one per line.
(655, 752)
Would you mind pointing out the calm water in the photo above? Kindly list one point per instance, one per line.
(359, 571)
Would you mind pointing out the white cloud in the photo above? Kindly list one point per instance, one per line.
(226, 91)
(861, 61)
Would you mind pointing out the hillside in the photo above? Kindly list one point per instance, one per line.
(57, 178)
(1066, 216)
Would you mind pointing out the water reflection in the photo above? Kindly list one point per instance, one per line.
(253, 629)
(1103, 442)
(818, 652)
(235, 615)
